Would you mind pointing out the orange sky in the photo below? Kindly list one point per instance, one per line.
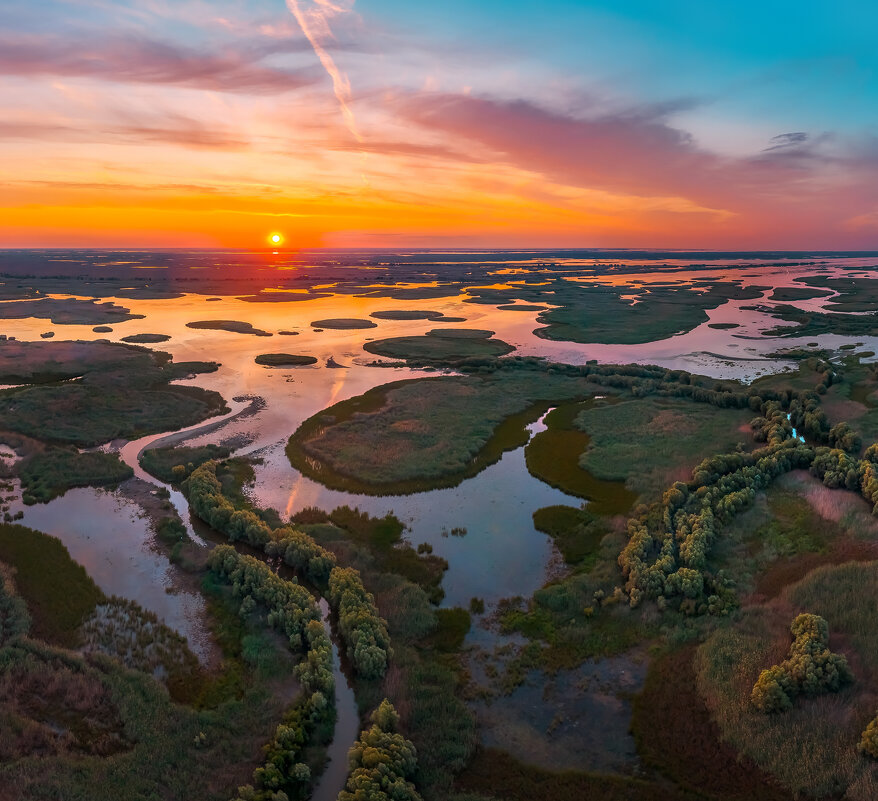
(175, 128)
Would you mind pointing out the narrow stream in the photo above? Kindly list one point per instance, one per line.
(347, 725)
(130, 454)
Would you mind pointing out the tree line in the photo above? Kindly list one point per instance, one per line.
(293, 610)
(382, 762)
(363, 630)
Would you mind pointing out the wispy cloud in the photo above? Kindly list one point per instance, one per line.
(134, 59)
(314, 21)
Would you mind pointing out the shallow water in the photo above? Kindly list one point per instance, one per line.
(111, 538)
(347, 726)
(502, 554)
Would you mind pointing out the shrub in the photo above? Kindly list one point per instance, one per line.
(382, 762)
(810, 669)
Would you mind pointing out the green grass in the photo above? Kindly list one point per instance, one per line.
(123, 393)
(160, 462)
(59, 593)
(676, 737)
(415, 435)
(576, 532)
(453, 625)
(650, 443)
(383, 537)
(51, 472)
(439, 346)
(554, 456)
(233, 326)
(343, 323)
(812, 324)
(284, 360)
(595, 313)
(812, 747)
(497, 774)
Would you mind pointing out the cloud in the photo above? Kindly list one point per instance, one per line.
(169, 128)
(782, 141)
(635, 151)
(130, 59)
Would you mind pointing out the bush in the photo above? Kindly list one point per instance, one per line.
(382, 762)
(811, 668)
(364, 631)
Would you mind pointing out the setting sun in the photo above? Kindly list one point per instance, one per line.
(275, 239)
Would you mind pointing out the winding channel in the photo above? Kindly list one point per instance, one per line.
(347, 727)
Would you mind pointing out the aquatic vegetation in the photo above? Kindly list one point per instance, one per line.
(343, 324)
(59, 593)
(175, 464)
(437, 347)
(121, 391)
(424, 433)
(404, 314)
(576, 532)
(234, 326)
(67, 311)
(49, 473)
(146, 339)
(284, 360)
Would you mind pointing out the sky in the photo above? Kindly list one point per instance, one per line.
(406, 123)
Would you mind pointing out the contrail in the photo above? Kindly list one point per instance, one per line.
(314, 22)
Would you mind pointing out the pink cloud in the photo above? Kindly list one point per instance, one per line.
(140, 60)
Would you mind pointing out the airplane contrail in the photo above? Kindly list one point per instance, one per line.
(314, 22)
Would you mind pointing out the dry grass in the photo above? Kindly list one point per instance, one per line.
(812, 748)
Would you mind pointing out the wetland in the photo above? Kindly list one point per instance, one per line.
(547, 555)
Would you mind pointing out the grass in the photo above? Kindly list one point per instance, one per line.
(67, 311)
(813, 324)
(233, 326)
(168, 759)
(160, 462)
(676, 737)
(343, 324)
(383, 538)
(59, 593)
(650, 443)
(576, 532)
(452, 627)
(595, 313)
(123, 392)
(420, 434)
(146, 339)
(554, 455)
(439, 346)
(497, 774)
(810, 749)
(284, 360)
(49, 473)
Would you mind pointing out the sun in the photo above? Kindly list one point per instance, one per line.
(276, 239)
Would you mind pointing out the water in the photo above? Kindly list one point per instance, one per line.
(347, 726)
(501, 555)
(112, 539)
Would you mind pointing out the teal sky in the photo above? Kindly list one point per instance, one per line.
(739, 124)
